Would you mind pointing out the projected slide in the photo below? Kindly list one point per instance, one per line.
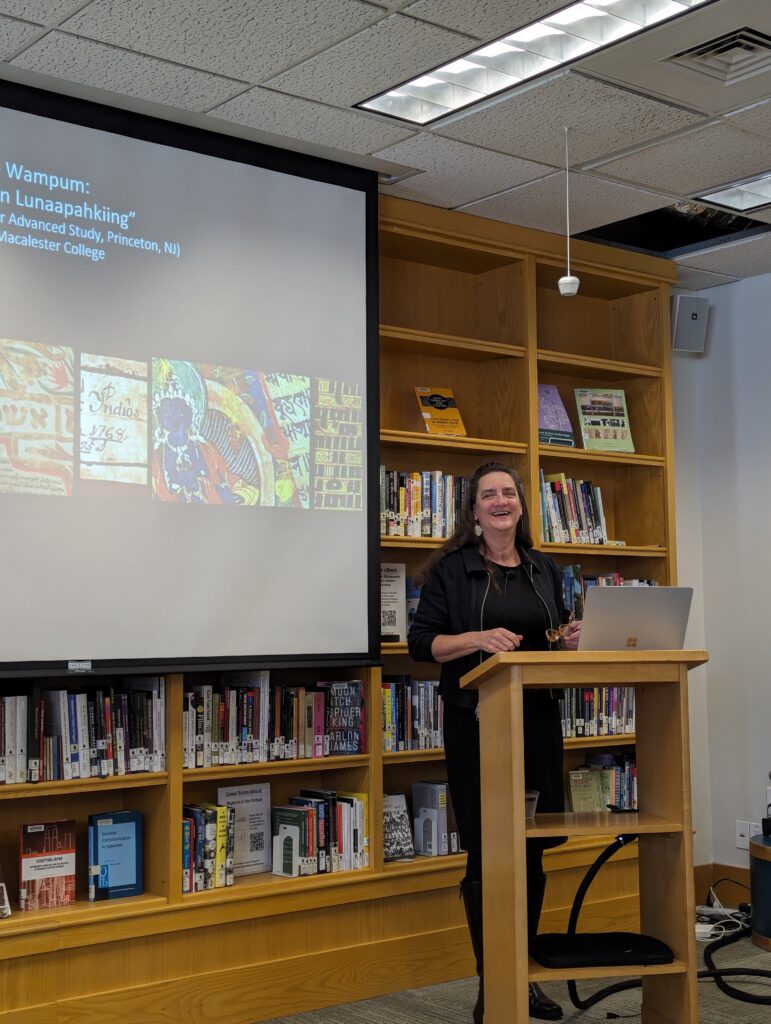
(182, 403)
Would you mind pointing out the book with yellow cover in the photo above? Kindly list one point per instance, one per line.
(440, 411)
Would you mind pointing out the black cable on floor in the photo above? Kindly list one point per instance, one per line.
(711, 972)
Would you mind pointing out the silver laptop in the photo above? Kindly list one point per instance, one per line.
(645, 618)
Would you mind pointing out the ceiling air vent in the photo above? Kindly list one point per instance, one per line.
(731, 58)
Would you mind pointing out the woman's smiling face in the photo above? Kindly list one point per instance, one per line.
(497, 508)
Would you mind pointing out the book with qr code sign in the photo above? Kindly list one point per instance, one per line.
(253, 851)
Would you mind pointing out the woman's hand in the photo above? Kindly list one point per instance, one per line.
(494, 641)
(571, 635)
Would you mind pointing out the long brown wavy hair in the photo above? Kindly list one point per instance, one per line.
(464, 530)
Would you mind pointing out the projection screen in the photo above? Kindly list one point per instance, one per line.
(185, 416)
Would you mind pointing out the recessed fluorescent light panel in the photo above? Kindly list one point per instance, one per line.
(558, 39)
(747, 195)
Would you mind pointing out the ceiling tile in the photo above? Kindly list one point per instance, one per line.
(347, 130)
(47, 12)
(454, 173)
(593, 202)
(756, 118)
(644, 62)
(485, 19)
(695, 280)
(372, 61)
(601, 118)
(737, 259)
(694, 162)
(238, 38)
(14, 34)
(132, 74)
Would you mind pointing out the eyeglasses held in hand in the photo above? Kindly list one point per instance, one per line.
(555, 635)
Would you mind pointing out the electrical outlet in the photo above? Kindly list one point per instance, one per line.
(742, 835)
(756, 829)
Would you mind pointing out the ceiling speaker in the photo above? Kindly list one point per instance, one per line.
(689, 323)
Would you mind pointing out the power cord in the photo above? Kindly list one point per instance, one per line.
(740, 918)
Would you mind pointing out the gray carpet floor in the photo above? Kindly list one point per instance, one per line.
(452, 1003)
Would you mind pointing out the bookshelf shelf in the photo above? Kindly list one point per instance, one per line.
(74, 786)
(565, 454)
(395, 648)
(425, 543)
(590, 823)
(266, 885)
(406, 342)
(593, 742)
(419, 865)
(433, 442)
(413, 756)
(586, 366)
(82, 912)
(293, 766)
(606, 550)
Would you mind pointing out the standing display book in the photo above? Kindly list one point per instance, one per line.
(252, 845)
(440, 411)
(5, 905)
(604, 420)
(554, 425)
(114, 855)
(393, 602)
(47, 865)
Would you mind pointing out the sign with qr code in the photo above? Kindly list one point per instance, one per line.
(252, 826)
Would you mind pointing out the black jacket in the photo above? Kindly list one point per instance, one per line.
(453, 601)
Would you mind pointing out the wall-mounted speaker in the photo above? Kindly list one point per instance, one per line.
(689, 323)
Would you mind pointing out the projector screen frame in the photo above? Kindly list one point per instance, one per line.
(176, 135)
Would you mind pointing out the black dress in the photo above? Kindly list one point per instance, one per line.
(512, 603)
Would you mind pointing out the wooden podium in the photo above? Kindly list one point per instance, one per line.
(663, 822)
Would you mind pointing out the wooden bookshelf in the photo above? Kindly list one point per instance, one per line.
(466, 303)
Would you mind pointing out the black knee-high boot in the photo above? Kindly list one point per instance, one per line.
(472, 901)
(541, 1007)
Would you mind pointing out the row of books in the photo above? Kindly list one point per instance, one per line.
(575, 583)
(320, 831)
(597, 711)
(48, 868)
(48, 735)
(571, 511)
(608, 782)
(412, 713)
(420, 504)
(247, 720)
(428, 829)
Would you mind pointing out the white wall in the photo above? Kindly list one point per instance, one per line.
(722, 407)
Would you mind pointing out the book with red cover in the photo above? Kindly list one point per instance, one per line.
(47, 865)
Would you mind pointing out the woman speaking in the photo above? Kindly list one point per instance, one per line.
(487, 590)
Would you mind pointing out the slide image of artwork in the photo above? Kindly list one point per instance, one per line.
(207, 446)
(338, 446)
(269, 414)
(113, 420)
(36, 418)
(288, 396)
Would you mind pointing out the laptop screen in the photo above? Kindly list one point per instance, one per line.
(641, 618)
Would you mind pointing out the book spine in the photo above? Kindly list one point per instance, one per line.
(22, 710)
(10, 740)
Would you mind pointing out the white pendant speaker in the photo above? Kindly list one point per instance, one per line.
(689, 323)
